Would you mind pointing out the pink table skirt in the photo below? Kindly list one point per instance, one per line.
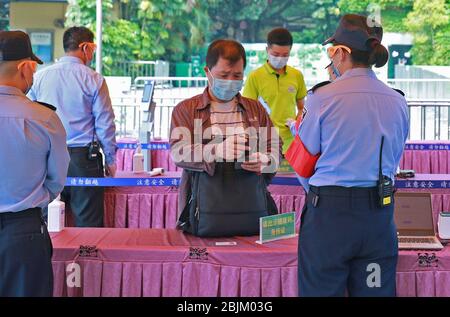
(156, 207)
(426, 162)
(160, 158)
(422, 161)
(132, 262)
(163, 263)
(427, 157)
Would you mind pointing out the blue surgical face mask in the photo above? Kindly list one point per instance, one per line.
(335, 70)
(278, 62)
(225, 89)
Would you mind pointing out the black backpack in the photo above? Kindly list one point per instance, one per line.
(229, 203)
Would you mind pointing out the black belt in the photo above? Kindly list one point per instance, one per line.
(78, 149)
(369, 193)
(339, 191)
(31, 212)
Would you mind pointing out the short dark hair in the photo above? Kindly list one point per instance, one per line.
(230, 50)
(279, 36)
(76, 35)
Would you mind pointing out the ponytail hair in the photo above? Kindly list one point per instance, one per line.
(378, 55)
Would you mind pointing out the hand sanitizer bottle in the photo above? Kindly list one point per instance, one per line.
(56, 215)
(138, 160)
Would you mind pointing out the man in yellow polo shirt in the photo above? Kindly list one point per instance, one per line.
(280, 88)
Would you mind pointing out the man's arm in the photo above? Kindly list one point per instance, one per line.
(309, 131)
(105, 128)
(185, 152)
(58, 158)
(405, 128)
(300, 106)
(301, 94)
(272, 149)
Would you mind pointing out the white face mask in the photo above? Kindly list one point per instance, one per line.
(278, 62)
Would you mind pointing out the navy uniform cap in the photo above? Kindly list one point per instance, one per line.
(356, 31)
(16, 45)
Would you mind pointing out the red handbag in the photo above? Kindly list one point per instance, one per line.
(298, 156)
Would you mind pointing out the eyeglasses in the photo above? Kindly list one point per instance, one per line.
(90, 45)
(331, 51)
(33, 65)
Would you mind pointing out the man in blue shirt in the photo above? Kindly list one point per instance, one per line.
(82, 100)
(348, 239)
(34, 161)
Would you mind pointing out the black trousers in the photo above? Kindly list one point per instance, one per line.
(86, 203)
(25, 255)
(347, 244)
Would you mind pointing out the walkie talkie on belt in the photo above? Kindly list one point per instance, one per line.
(94, 150)
(385, 184)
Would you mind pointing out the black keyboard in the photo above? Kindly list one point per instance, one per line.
(416, 240)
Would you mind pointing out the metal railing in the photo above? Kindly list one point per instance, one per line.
(429, 118)
(169, 91)
(127, 110)
(136, 69)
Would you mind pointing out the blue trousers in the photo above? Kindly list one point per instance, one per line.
(25, 255)
(347, 244)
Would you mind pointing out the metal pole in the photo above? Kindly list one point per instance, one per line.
(98, 57)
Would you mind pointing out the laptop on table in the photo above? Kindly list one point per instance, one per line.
(414, 220)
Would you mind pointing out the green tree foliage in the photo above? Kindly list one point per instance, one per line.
(142, 30)
(392, 12)
(121, 38)
(429, 23)
(253, 19)
(176, 29)
(4, 15)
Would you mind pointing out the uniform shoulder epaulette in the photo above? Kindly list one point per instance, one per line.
(324, 83)
(49, 106)
(399, 91)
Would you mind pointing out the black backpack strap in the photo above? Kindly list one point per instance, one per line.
(49, 106)
(184, 222)
(399, 91)
(272, 208)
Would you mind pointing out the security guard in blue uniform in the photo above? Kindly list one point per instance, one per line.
(33, 168)
(84, 106)
(358, 125)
